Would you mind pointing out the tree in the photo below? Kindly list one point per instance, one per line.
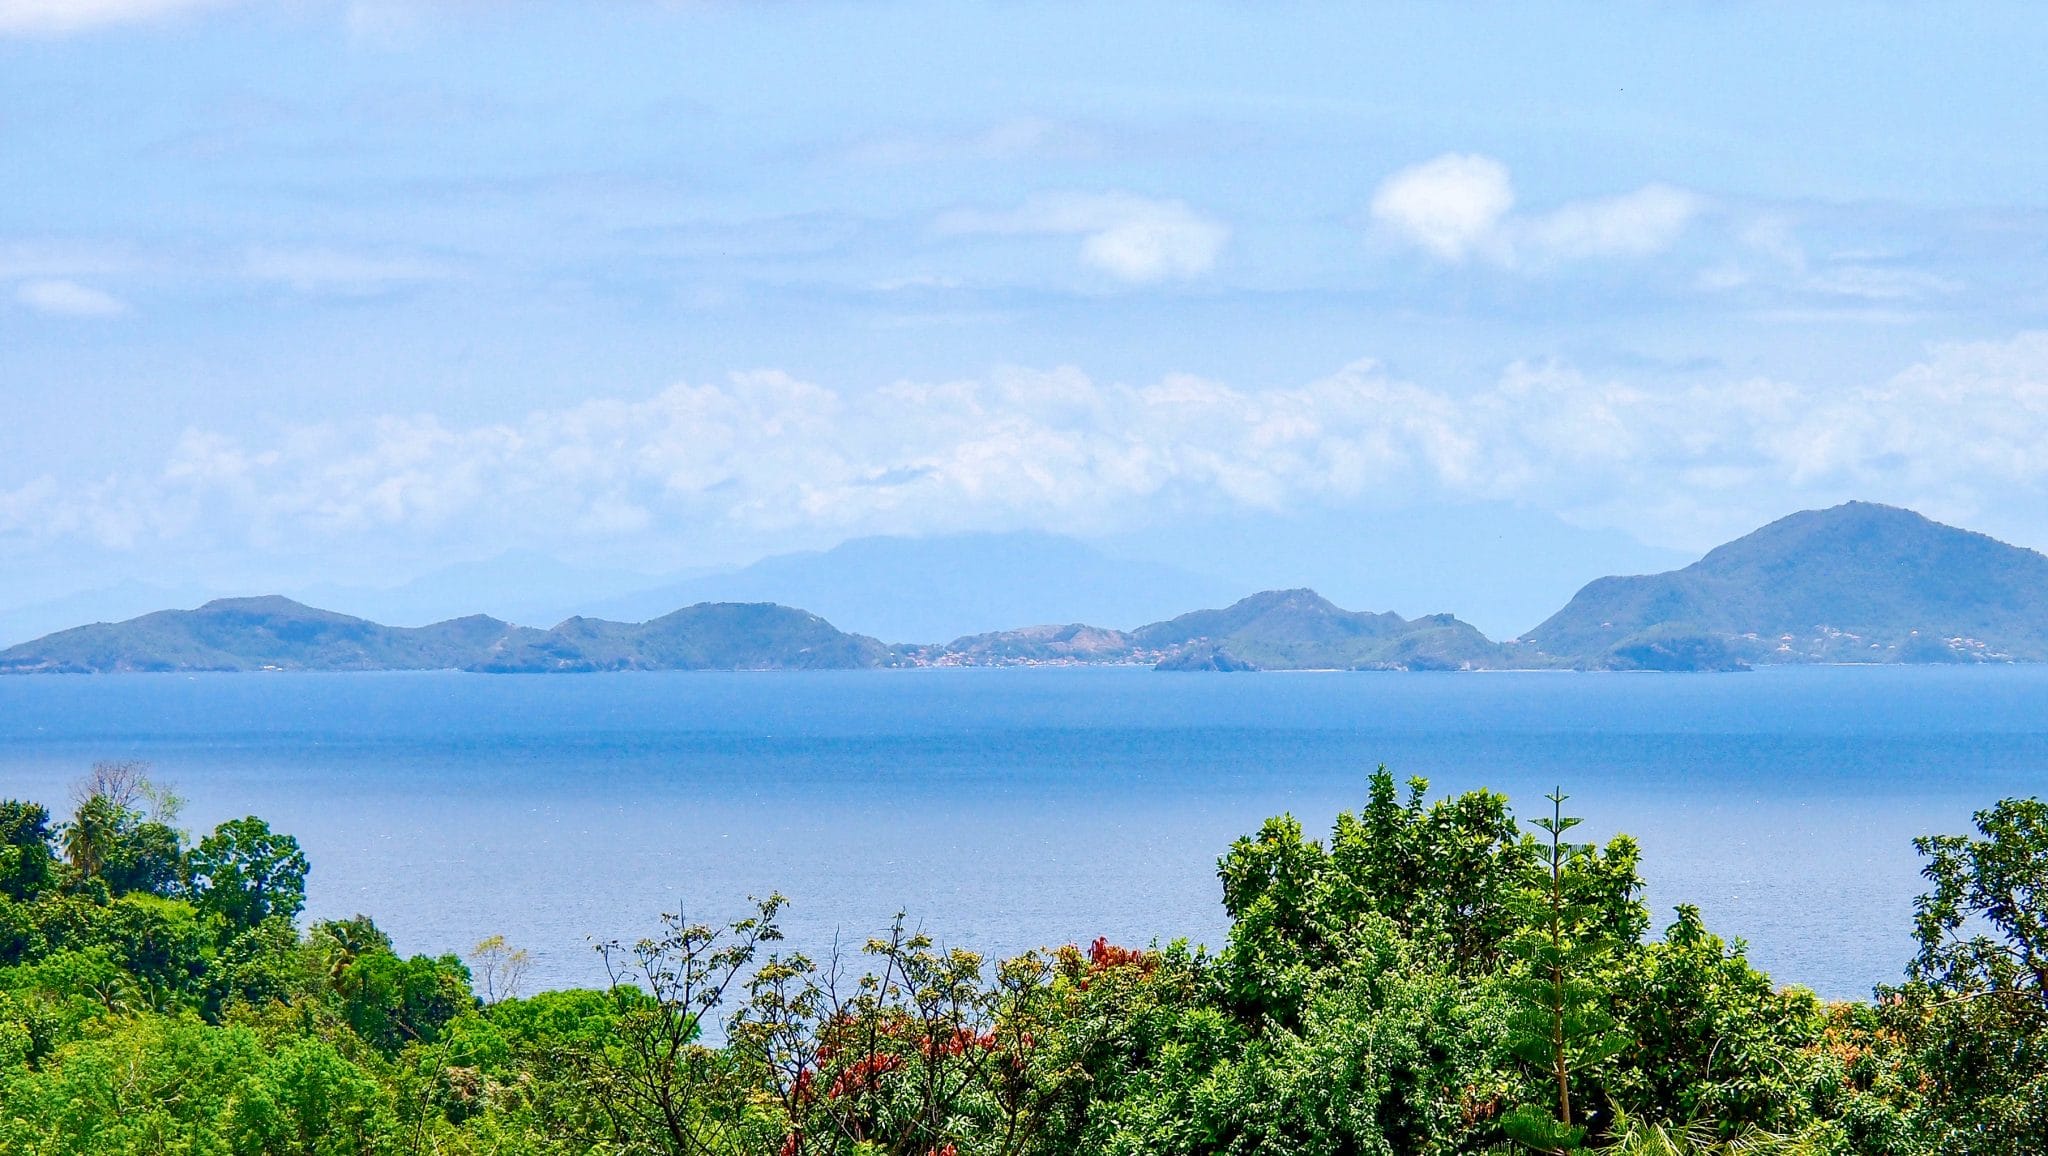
(391, 1002)
(1276, 893)
(500, 967)
(126, 784)
(337, 943)
(117, 845)
(1445, 874)
(1998, 884)
(158, 941)
(1561, 1025)
(27, 865)
(662, 1086)
(244, 873)
(1976, 1001)
(1716, 1040)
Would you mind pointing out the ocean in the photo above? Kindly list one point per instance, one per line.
(1006, 809)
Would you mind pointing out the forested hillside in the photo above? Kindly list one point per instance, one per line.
(1859, 582)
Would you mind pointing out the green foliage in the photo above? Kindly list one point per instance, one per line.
(244, 873)
(162, 944)
(1977, 992)
(1434, 983)
(154, 1085)
(337, 943)
(117, 846)
(1637, 1138)
(1713, 1039)
(1446, 874)
(1124, 1051)
(264, 965)
(1276, 890)
(1396, 1055)
(27, 865)
(2002, 880)
(390, 1002)
(1561, 1023)
(307, 1098)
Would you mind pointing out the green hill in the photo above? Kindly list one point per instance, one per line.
(1274, 630)
(1302, 630)
(707, 636)
(269, 633)
(1856, 583)
(274, 633)
(1071, 644)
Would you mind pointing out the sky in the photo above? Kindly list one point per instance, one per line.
(301, 291)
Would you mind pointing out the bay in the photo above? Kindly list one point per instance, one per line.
(1006, 809)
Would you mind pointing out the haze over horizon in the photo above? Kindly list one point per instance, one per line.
(327, 295)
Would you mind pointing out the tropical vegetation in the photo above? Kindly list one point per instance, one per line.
(1433, 978)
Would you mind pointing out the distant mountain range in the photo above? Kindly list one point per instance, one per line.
(932, 589)
(1855, 583)
(1286, 629)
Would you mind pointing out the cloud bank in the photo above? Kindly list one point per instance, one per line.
(765, 459)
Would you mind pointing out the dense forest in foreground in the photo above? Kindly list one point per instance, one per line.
(1434, 978)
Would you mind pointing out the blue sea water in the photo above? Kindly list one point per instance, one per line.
(1004, 809)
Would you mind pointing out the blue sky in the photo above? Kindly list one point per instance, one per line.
(306, 290)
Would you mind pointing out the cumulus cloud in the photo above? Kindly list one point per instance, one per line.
(1459, 206)
(58, 17)
(765, 459)
(1449, 206)
(56, 297)
(1135, 239)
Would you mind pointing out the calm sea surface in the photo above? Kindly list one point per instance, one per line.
(1005, 809)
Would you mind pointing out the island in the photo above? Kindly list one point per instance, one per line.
(1856, 583)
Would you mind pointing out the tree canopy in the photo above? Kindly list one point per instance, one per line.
(1436, 978)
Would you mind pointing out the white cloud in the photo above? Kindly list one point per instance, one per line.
(1131, 238)
(61, 298)
(1449, 206)
(1631, 225)
(765, 459)
(1460, 205)
(57, 17)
